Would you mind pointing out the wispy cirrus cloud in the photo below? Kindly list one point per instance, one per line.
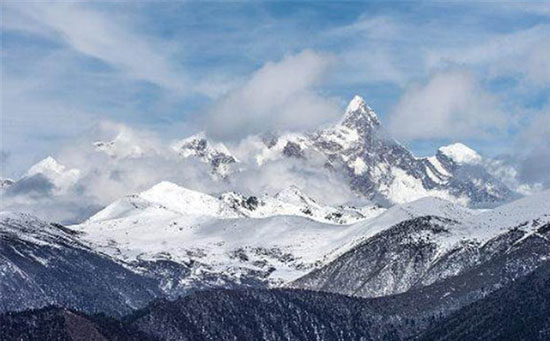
(451, 105)
(523, 53)
(102, 36)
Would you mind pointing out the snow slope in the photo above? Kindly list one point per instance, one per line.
(165, 223)
(169, 199)
(500, 244)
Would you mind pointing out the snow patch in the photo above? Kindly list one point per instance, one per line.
(405, 188)
(438, 166)
(359, 166)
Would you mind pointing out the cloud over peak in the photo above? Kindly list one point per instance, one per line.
(279, 96)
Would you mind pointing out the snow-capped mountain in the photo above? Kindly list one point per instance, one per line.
(166, 200)
(169, 199)
(272, 239)
(507, 242)
(269, 239)
(170, 240)
(61, 177)
(214, 154)
(378, 167)
(358, 149)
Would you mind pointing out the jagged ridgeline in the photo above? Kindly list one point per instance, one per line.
(357, 148)
(417, 260)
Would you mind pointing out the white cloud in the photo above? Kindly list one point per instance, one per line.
(311, 176)
(524, 52)
(52, 91)
(534, 149)
(279, 96)
(106, 176)
(372, 54)
(451, 105)
(95, 34)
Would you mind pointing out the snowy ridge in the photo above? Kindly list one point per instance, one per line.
(29, 228)
(293, 202)
(219, 243)
(280, 247)
(528, 214)
(169, 199)
(44, 264)
(393, 257)
(476, 226)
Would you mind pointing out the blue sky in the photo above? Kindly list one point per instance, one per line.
(434, 72)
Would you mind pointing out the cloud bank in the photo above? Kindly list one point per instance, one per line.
(279, 96)
(534, 150)
(130, 161)
(451, 105)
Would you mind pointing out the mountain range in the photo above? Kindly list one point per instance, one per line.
(357, 149)
(436, 241)
(517, 311)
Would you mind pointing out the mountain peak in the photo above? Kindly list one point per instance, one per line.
(165, 186)
(166, 191)
(4, 183)
(49, 164)
(460, 153)
(55, 172)
(186, 201)
(359, 114)
(199, 145)
(216, 154)
(357, 103)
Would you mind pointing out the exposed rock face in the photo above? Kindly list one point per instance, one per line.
(5, 183)
(214, 154)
